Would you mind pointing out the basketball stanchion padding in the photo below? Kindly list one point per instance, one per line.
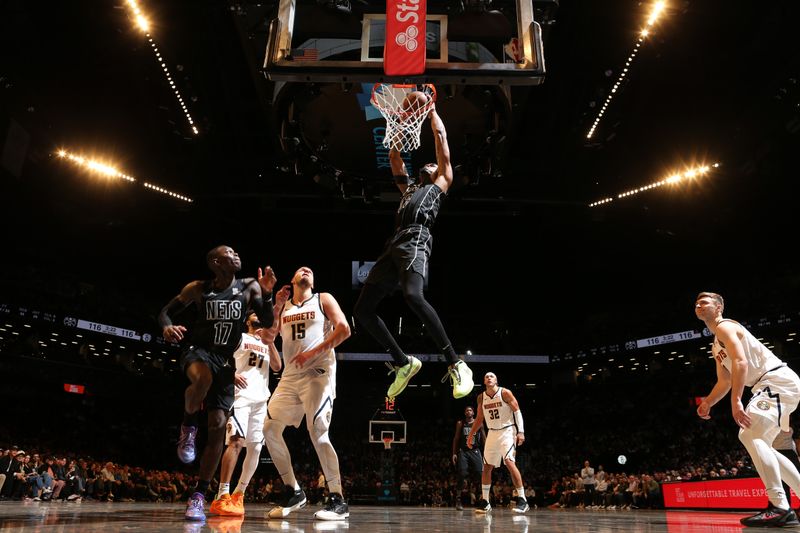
(404, 49)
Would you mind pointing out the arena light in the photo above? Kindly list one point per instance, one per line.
(166, 192)
(143, 24)
(690, 174)
(105, 169)
(95, 166)
(655, 13)
(138, 16)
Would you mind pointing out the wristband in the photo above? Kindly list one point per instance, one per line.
(518, 421)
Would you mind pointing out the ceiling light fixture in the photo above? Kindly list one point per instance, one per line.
(672, 179)
(655, 13)
(104, 169)
(144, 25)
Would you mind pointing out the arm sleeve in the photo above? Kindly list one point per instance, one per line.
(518, 421)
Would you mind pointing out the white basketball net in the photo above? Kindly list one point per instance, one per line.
(403, 126)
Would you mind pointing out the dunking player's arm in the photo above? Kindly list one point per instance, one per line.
(443, 169)
(399, 171)
(444, 177)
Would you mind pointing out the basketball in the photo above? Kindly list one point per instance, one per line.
(415, 100)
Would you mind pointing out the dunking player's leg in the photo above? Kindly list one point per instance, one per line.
(413, 283)
(366, 311)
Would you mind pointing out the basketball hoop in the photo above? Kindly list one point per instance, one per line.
(403, 124)
(387, 443)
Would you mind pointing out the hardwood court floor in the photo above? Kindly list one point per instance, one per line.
(163, 517)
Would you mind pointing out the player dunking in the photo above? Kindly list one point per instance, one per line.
(311, 326)
(499, 408)
(742, 360)
(221, 304)
(245, 428)
(405, 261)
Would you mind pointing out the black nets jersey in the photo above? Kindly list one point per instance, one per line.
(220, 318)
(477, 439)
(419, 206)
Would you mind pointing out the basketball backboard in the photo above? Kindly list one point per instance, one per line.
(387, 423)
(309, 43)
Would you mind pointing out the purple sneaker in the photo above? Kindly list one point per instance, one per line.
(186, 450)
(194, 509)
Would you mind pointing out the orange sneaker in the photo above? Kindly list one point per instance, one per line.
(237, 502)
(234, 506)
(219, 504)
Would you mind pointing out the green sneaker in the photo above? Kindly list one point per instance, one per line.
(461, 378)
(403, 375)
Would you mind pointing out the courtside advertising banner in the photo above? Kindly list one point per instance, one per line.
(404, 51)
(735, 493)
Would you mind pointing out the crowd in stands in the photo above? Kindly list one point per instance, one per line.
(91, 447)
(664, 440)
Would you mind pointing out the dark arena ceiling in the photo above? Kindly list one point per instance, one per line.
(288, 173)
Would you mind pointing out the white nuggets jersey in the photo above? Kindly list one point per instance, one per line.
(496, 412)
(252, 361)
(760, 359)
(303, 327)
